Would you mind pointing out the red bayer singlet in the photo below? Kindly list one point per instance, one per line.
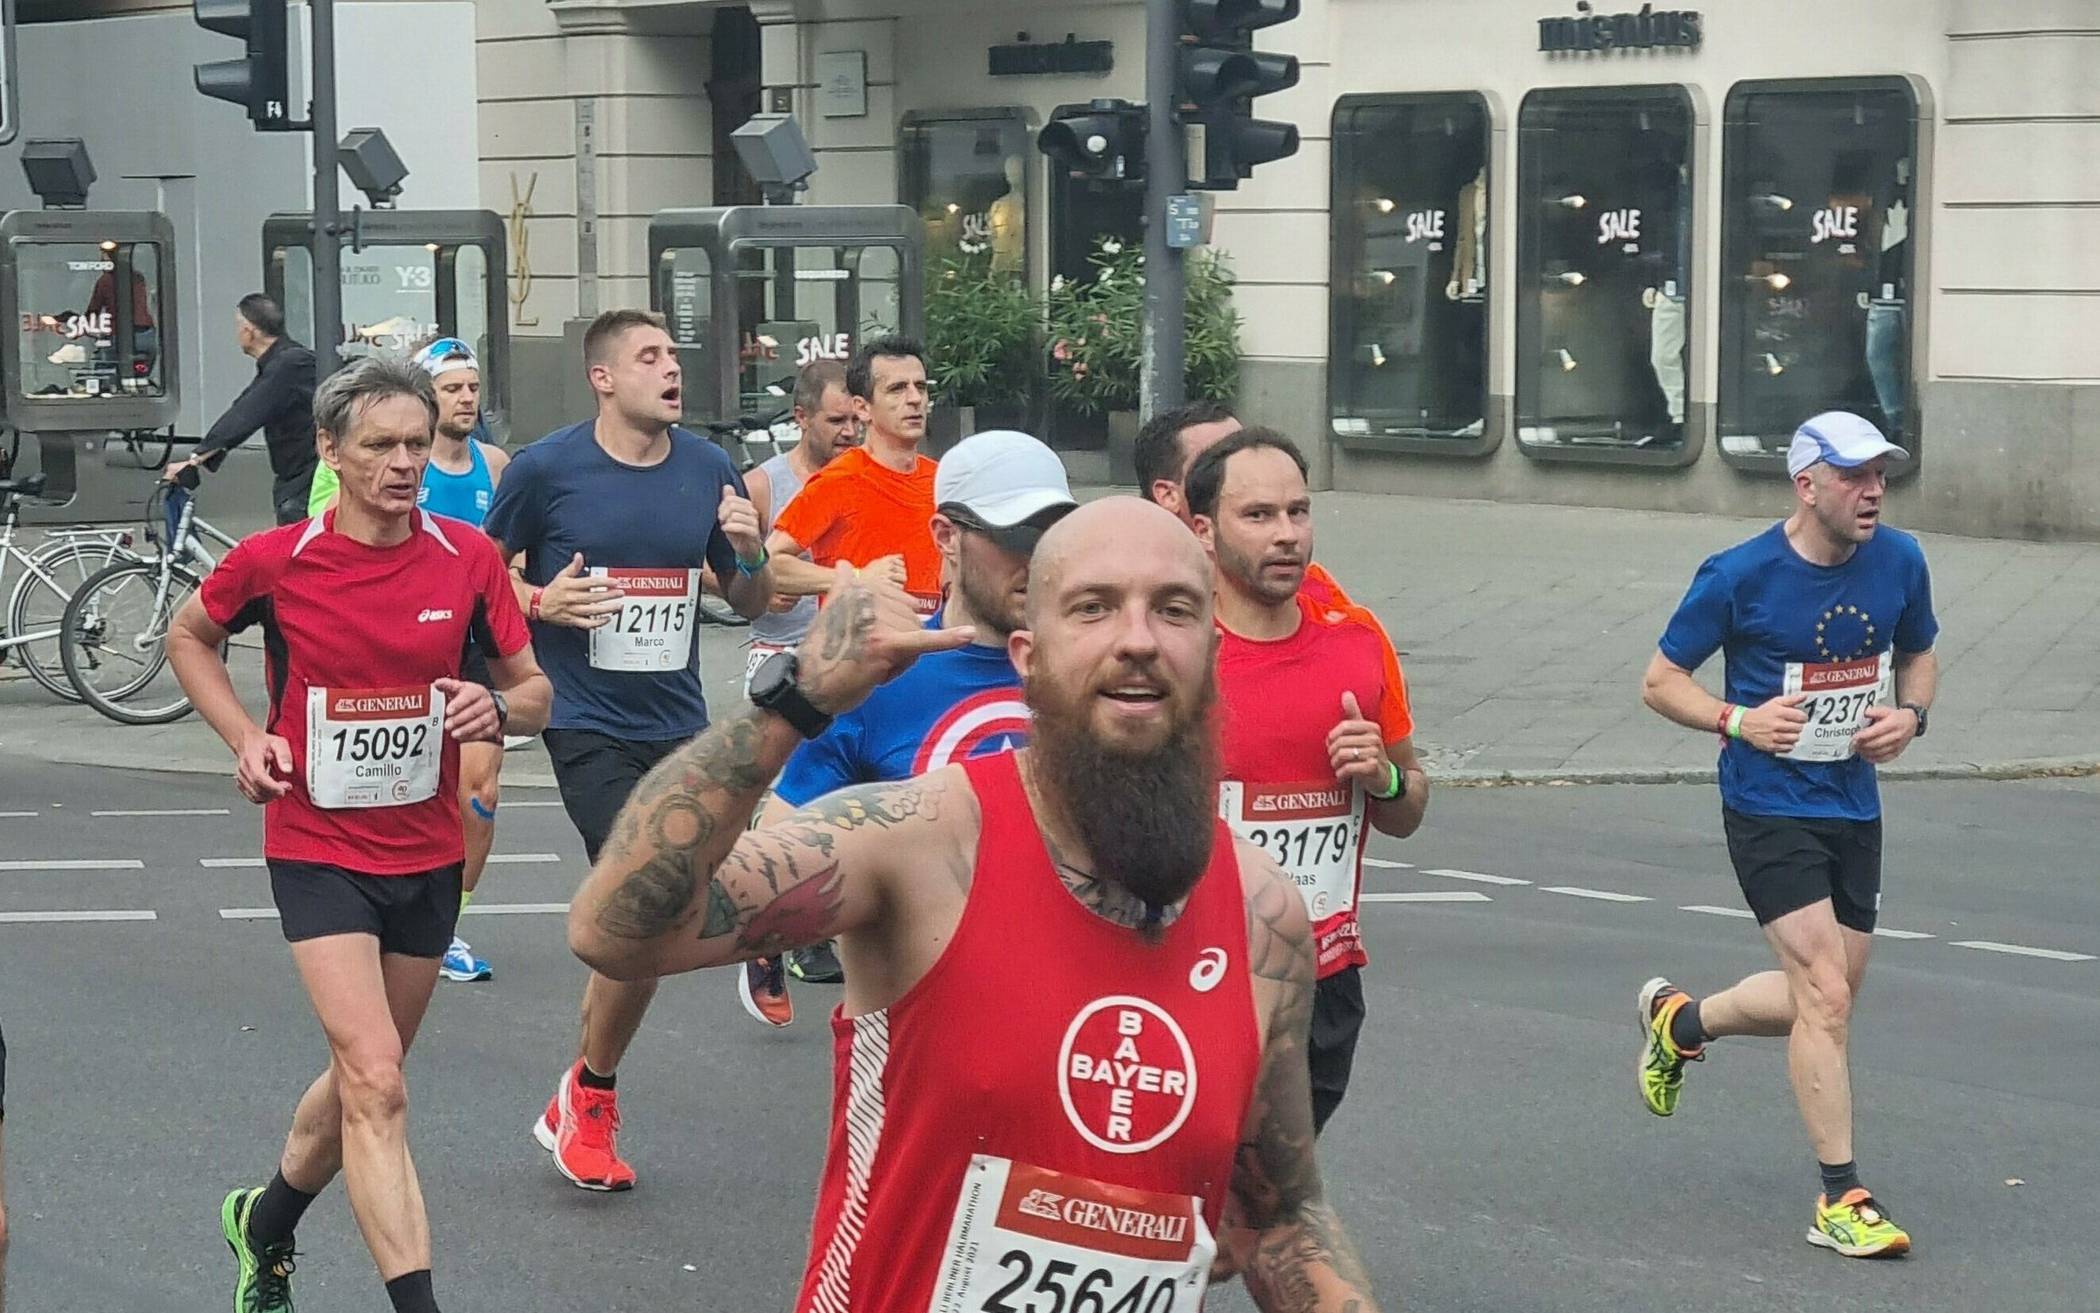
(1065, 1123)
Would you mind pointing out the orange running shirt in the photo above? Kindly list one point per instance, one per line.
(858, 510)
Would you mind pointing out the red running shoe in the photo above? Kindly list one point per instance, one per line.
(581, 1129)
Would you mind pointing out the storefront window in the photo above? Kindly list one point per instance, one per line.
(798, 304)
(396, 297)
(1816, 310)
(967, 176)
(1410, 281)
(79, 336)
(1604, 244)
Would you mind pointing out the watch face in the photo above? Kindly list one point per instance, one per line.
(774, 673)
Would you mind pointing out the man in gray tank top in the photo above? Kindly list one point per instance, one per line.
(824, 413)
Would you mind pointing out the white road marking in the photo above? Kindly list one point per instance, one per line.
(1887, 933)
(1710, 910)
(516, 909)
(1389, 864)
(15, 816)
(1477, 877)
(247, 914)
(1430, 896)
(121, 914)
(77, 864)
(522, 859)
(230, 863)
(169, 811)
(2021, 950)
(1601, 895)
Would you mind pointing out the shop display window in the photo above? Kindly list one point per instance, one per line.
(1819, 183)
(1604, 273)
(1409, 282)
(79, 336)
(967, 176)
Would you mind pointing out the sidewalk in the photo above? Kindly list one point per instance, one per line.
(1523, 631)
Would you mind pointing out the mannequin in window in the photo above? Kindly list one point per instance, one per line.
(1007, 220)
(1666, 315)
(1887, 306)
(1466, 277)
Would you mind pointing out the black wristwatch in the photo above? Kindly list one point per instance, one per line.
(502, 712)
(1918, 711)
(773, 689)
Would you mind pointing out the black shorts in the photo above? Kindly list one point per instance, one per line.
(1337, 1020)
(412, 915)
(596, 772)
(474, 667)
(1786, 863)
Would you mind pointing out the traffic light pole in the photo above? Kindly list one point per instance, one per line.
(328, 217)
(1160, 377)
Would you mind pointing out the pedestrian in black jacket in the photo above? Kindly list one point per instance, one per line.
(280, 402)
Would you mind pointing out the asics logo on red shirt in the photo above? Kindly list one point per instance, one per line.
(432, 616)
(1208, 971)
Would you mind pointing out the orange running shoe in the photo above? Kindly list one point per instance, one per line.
(581, 1129)
(762, 987)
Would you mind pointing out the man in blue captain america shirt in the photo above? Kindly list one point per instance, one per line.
(994, 495)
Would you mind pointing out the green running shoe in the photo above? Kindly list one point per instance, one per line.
(1856, 1227)
(265, 1284)
(1662, 1062)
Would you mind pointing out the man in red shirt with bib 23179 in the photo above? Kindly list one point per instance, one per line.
(367, 612)
(1317, 730)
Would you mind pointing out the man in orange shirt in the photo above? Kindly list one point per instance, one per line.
(872, 504)
(1167, 447)
(1317, 733)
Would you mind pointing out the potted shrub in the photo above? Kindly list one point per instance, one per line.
(984, 333)
(1096, 336)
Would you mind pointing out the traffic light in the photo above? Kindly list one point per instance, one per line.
(1101, 139)
(1219, 76)
(259, 82)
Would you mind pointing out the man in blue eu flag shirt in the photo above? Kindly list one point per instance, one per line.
(1826, 626)
(994, 495)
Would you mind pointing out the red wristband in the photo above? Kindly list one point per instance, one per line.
(532, 604)
(1720, 721)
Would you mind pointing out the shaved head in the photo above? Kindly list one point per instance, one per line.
(1111, 532)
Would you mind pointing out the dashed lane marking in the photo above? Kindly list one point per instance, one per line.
(76, 864)
(522, 859)
(16, 816)
(1477, 877)
(168, 811)
(478, 909)
(495, 859)
(230, 863)
(1601, 895)
(120, 914)
(1887, 933)
(1430, 896)
(1709, 909)
(2021, 950)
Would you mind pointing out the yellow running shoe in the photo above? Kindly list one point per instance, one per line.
(1662, 1062)
(1856, 1227)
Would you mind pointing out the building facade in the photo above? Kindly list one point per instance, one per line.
(1581, 253)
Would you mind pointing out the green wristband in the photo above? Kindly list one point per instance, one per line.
(755, 566)
(1395, 783)
(1735, 723)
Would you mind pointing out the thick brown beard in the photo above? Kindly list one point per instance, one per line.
(1146, 820)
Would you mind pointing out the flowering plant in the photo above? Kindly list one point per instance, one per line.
(1097, 331)
(984, 331)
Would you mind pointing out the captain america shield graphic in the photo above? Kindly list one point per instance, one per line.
(981, 725)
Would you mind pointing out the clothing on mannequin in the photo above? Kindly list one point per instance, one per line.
(1007, 222)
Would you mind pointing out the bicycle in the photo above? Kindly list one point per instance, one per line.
(113, 642)
(53, 572)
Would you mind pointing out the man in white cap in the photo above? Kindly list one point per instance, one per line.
(995, 493)
(1827, 625)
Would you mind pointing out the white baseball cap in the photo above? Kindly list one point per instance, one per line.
(1003, 482)
(1840, 437)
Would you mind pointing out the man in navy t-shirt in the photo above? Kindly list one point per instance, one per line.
(1825, 623)
(994, 494)
(609, 523)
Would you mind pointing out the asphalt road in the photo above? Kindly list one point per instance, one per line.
(1493, 1154)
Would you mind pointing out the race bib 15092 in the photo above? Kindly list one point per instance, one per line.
(373, 747)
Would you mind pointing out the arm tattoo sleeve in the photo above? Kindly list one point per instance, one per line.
(1300, 1259)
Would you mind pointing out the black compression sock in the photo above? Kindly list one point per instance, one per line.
(411, 1293)
(591, 1080)
(1685, 1031)
(1839, 1178)
(276, 1215)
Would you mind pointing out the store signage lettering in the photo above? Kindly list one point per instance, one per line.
(1647, 30)
(1618, 226)
(1837, 221)
(1071, 55)
(1425, 225)
(977, 227)
(828, 346)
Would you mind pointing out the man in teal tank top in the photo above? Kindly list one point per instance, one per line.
(459, 483)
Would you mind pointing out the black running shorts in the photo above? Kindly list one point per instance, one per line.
(596, 772)
(1786, 863)
(412, 915)
(1337, 1020)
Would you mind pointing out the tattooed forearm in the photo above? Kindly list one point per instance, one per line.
(1308, 1266)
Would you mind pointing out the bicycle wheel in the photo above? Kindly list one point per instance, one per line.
(55, 573)
(114, 643)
